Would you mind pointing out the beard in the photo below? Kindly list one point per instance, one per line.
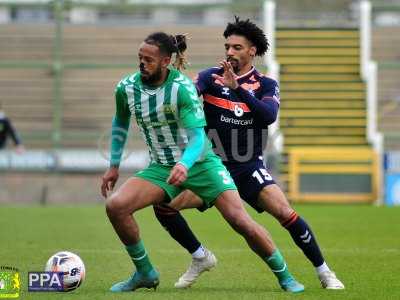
(234, 63)
(150, 79)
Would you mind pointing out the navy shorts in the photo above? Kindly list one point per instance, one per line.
(250, 178)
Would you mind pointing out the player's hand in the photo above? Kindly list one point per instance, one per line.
(228, 78)
(109, 180)
(178, 175)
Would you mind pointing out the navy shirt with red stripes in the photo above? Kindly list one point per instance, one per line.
(237, 120)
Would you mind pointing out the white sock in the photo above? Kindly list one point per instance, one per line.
(199, 253)
(322, 268)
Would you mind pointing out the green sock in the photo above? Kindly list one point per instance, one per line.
(278, 266)
(139, 256)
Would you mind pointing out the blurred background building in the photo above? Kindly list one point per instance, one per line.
(60, 61)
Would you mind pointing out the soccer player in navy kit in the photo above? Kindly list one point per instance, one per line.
(6, 130)
(239, 104)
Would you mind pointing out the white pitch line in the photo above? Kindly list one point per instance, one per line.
(244, 249)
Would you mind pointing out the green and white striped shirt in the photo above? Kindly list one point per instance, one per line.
(161, 113)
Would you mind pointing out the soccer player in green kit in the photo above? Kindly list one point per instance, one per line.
(166, 107)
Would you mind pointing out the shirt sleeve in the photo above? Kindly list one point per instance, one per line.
(120, 126)
(122, 113)
(201, 82)
(195, 147)
(271, 92)
(265, 109)
(190, 110)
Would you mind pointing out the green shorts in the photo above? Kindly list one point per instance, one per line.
(207, 179)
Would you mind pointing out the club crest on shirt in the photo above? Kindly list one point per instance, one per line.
(168, 109)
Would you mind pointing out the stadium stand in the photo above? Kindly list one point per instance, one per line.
(323, 108)
(88, 92)
(27, 92)
(87, 89)
(96, 57)
(93, 64)
(388, 58)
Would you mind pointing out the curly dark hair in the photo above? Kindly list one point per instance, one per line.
(250, 31)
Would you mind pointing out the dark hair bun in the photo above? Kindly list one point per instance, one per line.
(179, 41)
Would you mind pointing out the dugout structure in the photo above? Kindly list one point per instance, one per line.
(339, 175)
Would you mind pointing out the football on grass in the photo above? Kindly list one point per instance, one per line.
(72, 267)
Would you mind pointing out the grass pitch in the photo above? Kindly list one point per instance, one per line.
(360, 243)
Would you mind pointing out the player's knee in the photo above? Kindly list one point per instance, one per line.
(284, 213)
(243, 224)
(162, 212)
(249, 230)
(110, 207)
(114, 206)
(276, 204)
